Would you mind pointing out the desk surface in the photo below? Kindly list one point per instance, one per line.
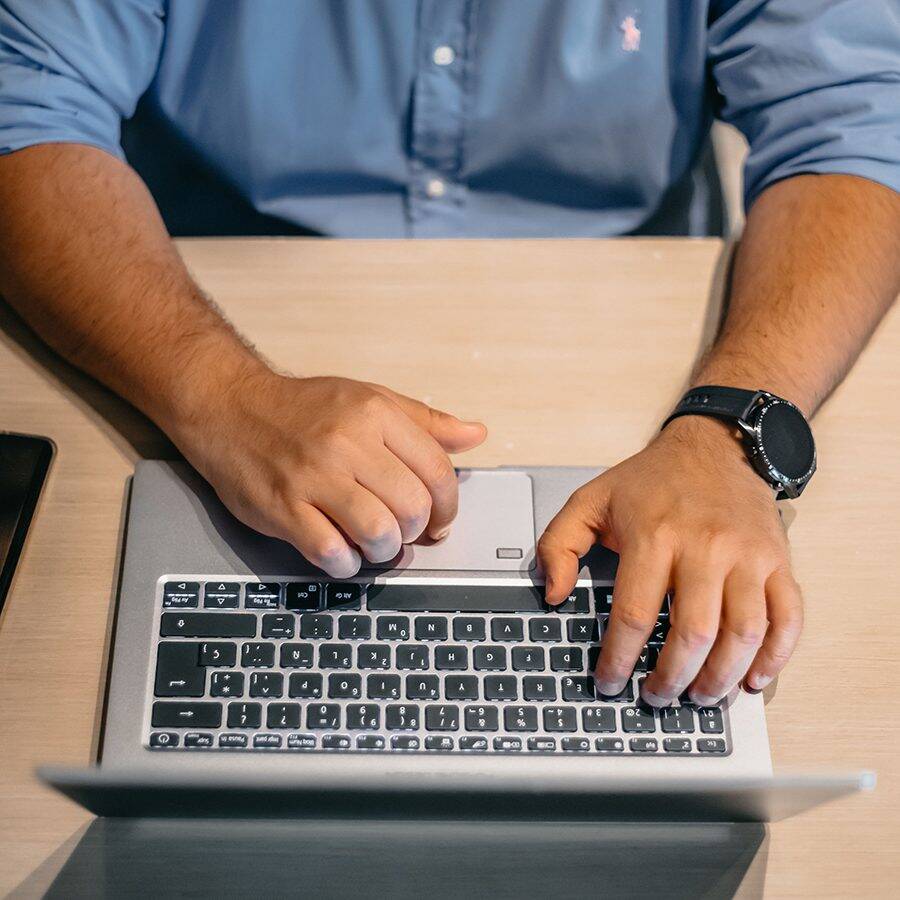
(571, 351)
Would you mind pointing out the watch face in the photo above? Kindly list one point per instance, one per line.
(786, 441)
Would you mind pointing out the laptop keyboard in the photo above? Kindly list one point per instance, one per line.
(467, 667)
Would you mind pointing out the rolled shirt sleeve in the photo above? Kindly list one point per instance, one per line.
(814, 85)
(71, 70)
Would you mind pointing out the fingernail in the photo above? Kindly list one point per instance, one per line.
(703, 699)
(441, 534)
(346, 565)
(654, 699)
(609, 688)
(758, 682)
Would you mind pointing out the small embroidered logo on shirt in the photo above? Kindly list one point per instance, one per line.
(631, 35)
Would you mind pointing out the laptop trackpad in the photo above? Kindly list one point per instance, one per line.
(493, 531)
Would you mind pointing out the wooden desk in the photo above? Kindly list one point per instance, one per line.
(571, 351)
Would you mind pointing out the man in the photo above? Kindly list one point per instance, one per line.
(468, 118)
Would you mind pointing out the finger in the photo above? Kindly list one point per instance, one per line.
(453, 434)
(401, 490)
(741, 632)
(571, 533)
(642, 579)
(320, 542)
(421, 453)
(694, 617)
(785, 606)
(362, 517)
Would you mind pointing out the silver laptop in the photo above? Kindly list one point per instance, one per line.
(243, 681)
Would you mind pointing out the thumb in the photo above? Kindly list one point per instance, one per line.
(571, 533)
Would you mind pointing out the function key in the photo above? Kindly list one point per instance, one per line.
(583, 630)
(404, 742)
(711, 745)
(181, 594)
(439, 742)
(300, 596)
(431, 628)
(335, 742)
(711, 720)
(278, 625)
(643, 745)
(677, 745)
(301, 742)
(577, 602)
(542, 628)
(507, 744)
(469, 628)
(262, 595)
(232, 741)
(266, 741)
(609, 745)
(343, 596)
(370, 742)
(164, 739)
(392, 628)
(221, 595)
(603, 600)
(576, 744)
(473, 743)
(542, 744)
(507, 628)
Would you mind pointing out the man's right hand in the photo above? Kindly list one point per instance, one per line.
(331, 465)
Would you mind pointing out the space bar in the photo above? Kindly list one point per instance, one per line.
(455, 598)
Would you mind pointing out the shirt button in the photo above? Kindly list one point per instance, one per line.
(435, 188)
(443, 55)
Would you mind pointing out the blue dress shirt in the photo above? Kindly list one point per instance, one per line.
(467, 117)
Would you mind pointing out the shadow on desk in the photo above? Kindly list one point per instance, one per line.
(160, 857)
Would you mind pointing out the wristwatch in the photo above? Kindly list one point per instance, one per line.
(776, 436)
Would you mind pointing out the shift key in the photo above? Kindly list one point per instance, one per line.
(184, 624)
(187, 715)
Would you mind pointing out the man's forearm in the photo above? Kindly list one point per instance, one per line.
(817, 268)
(86, 260)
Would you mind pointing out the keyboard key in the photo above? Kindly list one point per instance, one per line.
(528, 659)
(542, 744)
(576, 744)
(244, 715)
(501, 687)
(226, 684)
(299, 596)
(469, 628)
(538, 687)
(456, 598)
(335, 742)
(438, 742)
(257, 655)
(577, 602)
(383, 687)
(363, 716)
(354, 627)
(658, 635)
(323, 715)
(343, 596)
(520, 718)
(404, 742)
(627, 695)
(198, 624)
(442, 717)
(301, 742)
(373, 656)
(412, 656)
(402, 717)
(164, 739)
(345, 687)
(266, 741)
(711, 720)
(279, 625)
(315, 626)
(677, 720)
(543, 628)
(508, 744)
(609, 745)
(482, 718)
(643, 745)
(566, 659)
(221, 595)
(638, 719)
(598, 718)
(305, 686)
(178, 673)
(583, 630)
(461, 687)
(711, 745)
(232, 741)
(579, 687)
(423, 687)
(370, 742)
(283, 715)
(181, 594)
(603, 600)
(646, 661)
(296, 656)
(266, 684)
(431, 628)
(450, 657)
(262, 595)
(507, 628)
(393, 628)
(560, 718)
(677, 745)
(473, 743)
(186, 715)
(490, 658)
(218, 653)
(335, 656)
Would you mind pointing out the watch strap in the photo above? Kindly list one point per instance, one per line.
(714, 400)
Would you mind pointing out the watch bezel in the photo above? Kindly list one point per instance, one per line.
(752, 432)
